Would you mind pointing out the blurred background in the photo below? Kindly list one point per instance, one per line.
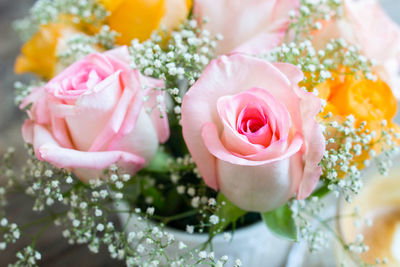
(54, 248)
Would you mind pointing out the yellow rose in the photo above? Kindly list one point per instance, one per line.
(140, 18)
(39, 54)
(367, 100)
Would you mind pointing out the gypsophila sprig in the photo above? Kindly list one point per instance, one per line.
(28, 257)
(179, 62)
(79, 45)
(336, 58)
(9, 233)
(341, 165)
(310, 15)
(22, 90)
(151, 179)
(47, 11)
(302, 212)
(317, 230)
(85, 216)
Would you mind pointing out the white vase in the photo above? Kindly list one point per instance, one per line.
(254, 245)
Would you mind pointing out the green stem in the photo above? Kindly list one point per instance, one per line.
(333, 218)
(165, 220)
(321, 192)
(38, 235)
(179, 216)
(49, 218)
(127, 221)
(208, 243)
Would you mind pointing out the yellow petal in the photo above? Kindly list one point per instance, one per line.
(111, 5)
(189, 4)
(38, 54)
(135, 18)
(177, 11)
(367, 100)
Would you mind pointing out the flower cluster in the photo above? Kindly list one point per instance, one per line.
(320, 65)
(186, 55)
(47, 11)
(311, 15)
(197, 123)
(85, 216)
(10, 233)
(342, 166)
(79, 45)
(27, 257)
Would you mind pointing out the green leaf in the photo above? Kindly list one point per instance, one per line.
(157, 197)
(281, 223)
(227, 212)
(159, 162)
(173, 202)
(321, 191)
(132, 190)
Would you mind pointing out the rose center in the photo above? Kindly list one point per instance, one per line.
(85, 80)
(251, 119)
(251, 126)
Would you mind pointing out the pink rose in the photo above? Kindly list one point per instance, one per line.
(250, 26)
(252, 132)
(93, 114)
(367, 25)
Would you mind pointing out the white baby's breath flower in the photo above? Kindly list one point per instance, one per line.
(190, 229)
(126, 177)
(100, 227)
(191, 191)
(182, 245)
(224, 258)
(150, 210)
(4, 222)
(119, 195)
(214, 219)
(227, 237)
(131, 237)
(238, 262)
(195, 202)
(3, 245)
(212, 202)
(203, 254)
(140, 249)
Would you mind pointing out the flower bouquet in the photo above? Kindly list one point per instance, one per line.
(204, 117)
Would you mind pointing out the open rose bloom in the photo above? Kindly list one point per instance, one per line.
(272, 105)
(253, 132)
(94, 114)
(250, 26)
(140, 18)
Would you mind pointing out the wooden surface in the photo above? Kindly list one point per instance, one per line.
(54, 248)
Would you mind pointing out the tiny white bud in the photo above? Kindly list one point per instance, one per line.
(191, 191)
(4, 222)
(98, 213)
(203, 254)
(180, 189)
(182, 245)
(100, 227)
(119, 195)
(150, 210)
(190, 229)
(214, 219)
